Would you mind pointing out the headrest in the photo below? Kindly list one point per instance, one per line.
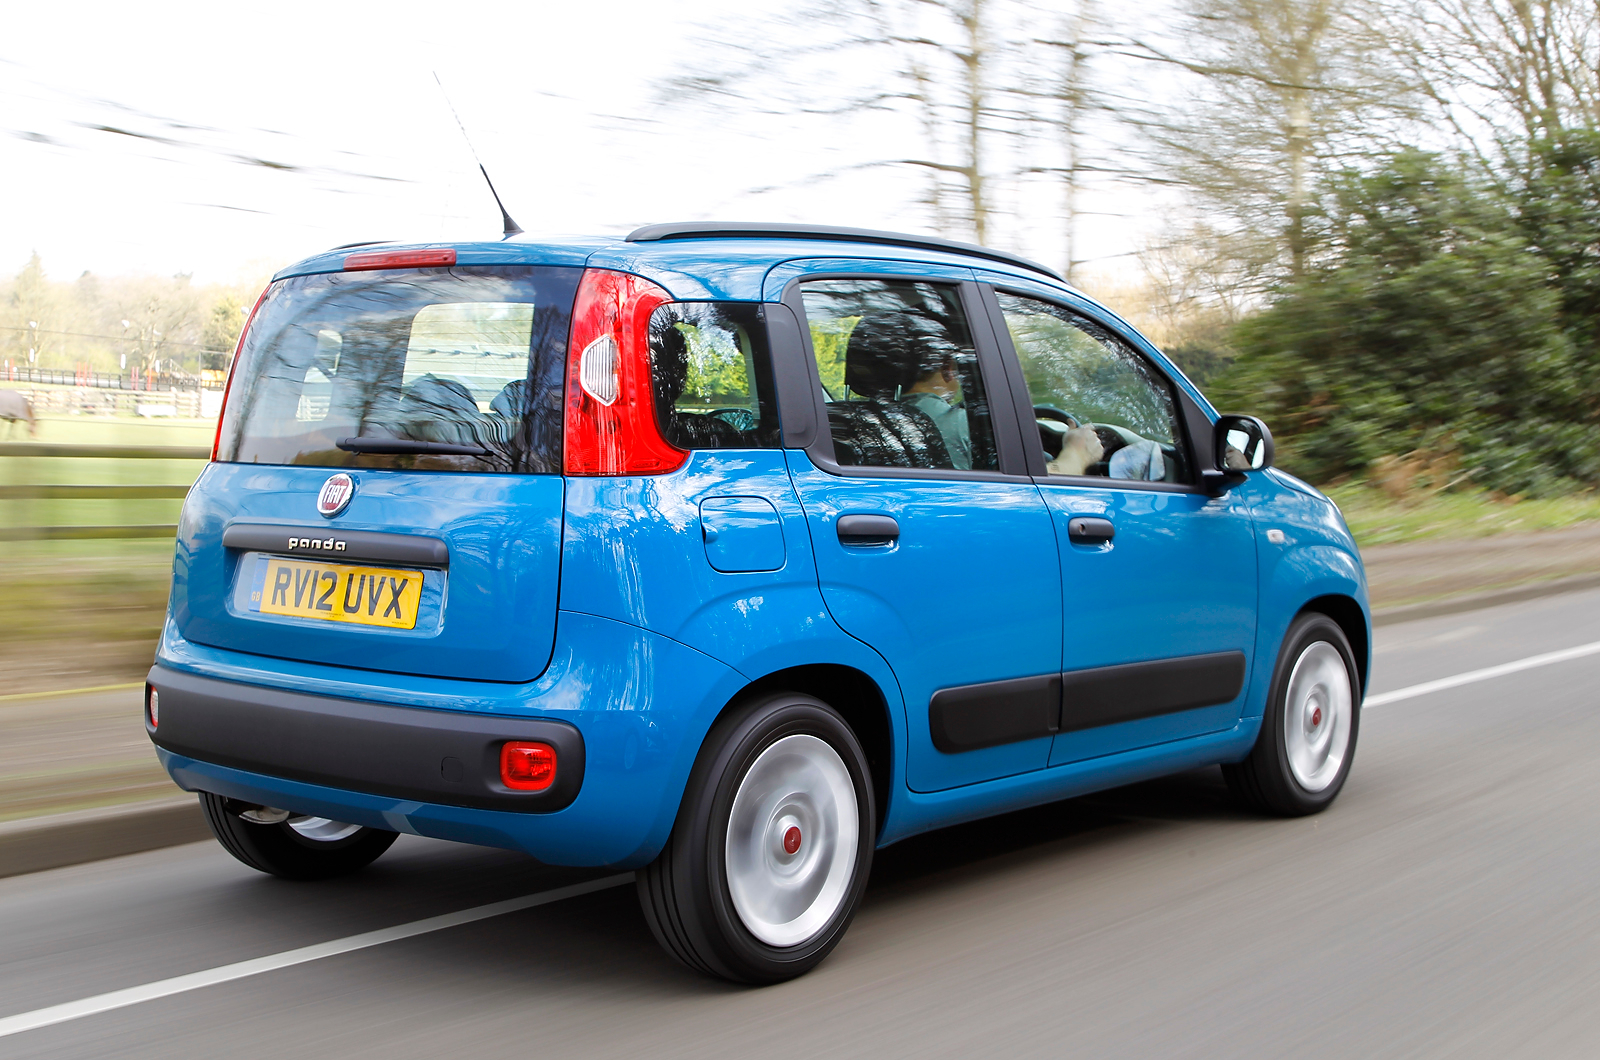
(879, 358)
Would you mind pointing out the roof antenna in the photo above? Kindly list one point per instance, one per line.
(511, 227)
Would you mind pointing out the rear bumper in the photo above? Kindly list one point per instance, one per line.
(302, 737)
(438, 756)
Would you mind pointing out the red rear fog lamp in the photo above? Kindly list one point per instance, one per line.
(152, 707)
(527, 766)
(399, 259)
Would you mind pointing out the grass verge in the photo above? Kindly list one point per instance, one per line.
(1376, 518)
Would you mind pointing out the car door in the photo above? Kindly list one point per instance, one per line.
(1158, 578)
(932, 544)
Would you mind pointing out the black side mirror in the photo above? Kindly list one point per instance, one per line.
(1239, 444)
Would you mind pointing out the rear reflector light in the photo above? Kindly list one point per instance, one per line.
(399, 259)
(152, 707)
(611, 424)
(597, 370)
(527, 766)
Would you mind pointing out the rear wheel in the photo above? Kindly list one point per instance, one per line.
(299, 848)
(1308, 733)
(771, 850)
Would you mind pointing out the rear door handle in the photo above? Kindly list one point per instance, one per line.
(1084, 530)
(867, 530)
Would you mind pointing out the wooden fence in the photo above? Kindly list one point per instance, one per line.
(66, 492)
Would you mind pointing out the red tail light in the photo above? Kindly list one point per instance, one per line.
(399, 259)
(527, 766)
(611, 424)
(227, 388)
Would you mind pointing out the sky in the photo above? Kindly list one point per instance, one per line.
(227, 140)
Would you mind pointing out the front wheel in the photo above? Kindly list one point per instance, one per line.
(1308, 733)
(770, 853)
(299, 848)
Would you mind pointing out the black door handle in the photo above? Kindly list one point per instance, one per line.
(867, 530)
(1084, 530)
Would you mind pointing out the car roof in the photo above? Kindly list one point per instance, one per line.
(707, 260)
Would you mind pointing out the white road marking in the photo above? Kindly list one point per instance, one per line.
(71, 1010)
(1473, 676)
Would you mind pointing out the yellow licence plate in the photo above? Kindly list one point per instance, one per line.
(335, 592)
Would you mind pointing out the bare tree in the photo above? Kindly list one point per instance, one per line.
(958, 70)
(1282, 91)
(1503, 74)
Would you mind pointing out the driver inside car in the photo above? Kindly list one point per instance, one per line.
(1080, 448)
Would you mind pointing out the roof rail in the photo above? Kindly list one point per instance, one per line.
(712, 230)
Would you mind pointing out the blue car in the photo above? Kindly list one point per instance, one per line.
(730, 554)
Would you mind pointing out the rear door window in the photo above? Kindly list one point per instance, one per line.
(900, 375)
(433, 369)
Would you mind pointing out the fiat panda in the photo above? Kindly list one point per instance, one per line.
(729, 554)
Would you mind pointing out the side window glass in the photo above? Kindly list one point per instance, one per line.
(900, 375)
(712, 375)
(1101, 408)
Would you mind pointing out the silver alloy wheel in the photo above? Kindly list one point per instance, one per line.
(1317, 712)
(322, 829)
(792, 840)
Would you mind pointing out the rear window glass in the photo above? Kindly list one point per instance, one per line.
(432, 369)
(713, 376)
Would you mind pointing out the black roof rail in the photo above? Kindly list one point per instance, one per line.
(712, 229)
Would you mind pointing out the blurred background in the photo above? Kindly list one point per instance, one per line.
(1374, 224)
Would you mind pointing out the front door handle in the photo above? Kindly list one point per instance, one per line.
(867, 530)
(1084, 530)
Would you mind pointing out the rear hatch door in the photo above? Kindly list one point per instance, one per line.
(387, 493)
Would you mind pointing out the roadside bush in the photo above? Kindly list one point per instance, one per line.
(1443, 327)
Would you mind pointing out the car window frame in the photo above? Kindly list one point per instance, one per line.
(1010, 450)
(1191, 419)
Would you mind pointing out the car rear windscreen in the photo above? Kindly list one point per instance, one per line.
(457, 369)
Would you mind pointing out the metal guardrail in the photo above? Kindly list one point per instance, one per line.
(63, 492)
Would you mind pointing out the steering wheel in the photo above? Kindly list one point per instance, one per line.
(738, 419)
(1049, 412)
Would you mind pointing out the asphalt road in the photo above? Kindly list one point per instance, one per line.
(1446, 905)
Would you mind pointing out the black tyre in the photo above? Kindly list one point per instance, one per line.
(301, 848)
(1308, 733)
(772, 846)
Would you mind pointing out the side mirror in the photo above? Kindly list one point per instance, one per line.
(1239, 444)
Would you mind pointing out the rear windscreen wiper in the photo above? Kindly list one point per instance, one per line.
(402, 446)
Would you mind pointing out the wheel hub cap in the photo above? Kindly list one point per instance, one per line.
(792, 840)
(1317, 714)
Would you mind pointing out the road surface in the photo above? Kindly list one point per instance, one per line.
(1446, 905)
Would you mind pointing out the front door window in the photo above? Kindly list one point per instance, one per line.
(1102, 409)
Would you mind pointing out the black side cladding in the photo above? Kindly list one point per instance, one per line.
(1106, 695)
(999, 712)
(439, 756)
(995, 712)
